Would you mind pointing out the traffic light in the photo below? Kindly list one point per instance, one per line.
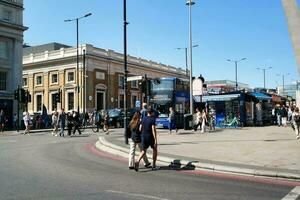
(57, 96)
(27, 96)
(22, 96)
(16, 94)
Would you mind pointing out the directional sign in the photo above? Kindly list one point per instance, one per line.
(134, 78)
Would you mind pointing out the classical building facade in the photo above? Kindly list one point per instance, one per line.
(293, 21)
(11, 41)
(53, 67)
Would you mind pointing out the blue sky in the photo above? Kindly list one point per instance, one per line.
(223, 29)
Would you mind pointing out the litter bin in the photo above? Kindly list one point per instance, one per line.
(188, 122)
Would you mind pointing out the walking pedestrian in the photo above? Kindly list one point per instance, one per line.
(15, 120)
(76, 121)
(70, 123)
(278, 114)
(144, 111)
(27, 123)
(135, 140)
(296, 122)
(106, 121)
(203, 121)
(2, 120)
(273, 118)
(284, 115)
(212, 118)
(148, 138)
(54, 123)
(62, 122)
(172, 120)
(198, 119)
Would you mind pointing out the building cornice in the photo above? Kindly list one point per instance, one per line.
(13, 26)
(67, 54)
(15, 3)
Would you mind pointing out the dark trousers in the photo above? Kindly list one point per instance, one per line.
(76, 127)
(196, 126)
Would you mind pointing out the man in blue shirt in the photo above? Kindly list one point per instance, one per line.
(148, 138)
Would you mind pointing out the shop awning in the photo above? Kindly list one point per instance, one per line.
(222, 97)
(261, 96)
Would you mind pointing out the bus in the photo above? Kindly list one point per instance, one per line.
(169, 92)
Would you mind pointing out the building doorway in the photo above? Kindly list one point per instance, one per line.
(100, 100)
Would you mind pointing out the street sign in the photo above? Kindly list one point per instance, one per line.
(137, 104)
(134, 78)
(197, 87)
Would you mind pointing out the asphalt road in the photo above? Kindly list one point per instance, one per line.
(41, 166)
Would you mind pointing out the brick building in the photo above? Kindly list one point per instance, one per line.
(48, 68)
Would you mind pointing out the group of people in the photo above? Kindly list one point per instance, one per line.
(203, 118)
(282, 116)
(71, 119)
(142, 134)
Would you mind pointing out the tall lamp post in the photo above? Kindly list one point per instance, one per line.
(283, 75)
(190, 3)
(77, 46)
(125, 23)
(186, 60)
(236, 74)
(264, 73)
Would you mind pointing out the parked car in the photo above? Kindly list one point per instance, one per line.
(116, 116)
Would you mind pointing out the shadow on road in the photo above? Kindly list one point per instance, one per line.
(174, 165)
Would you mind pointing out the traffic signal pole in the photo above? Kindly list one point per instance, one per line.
(18, 107)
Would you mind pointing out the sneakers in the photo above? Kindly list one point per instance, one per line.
(131, 168)
(147, 165)
(155, 167)
(298, 137)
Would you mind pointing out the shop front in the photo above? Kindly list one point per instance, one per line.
(231, 105)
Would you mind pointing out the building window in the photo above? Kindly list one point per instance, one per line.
(39, 103)
(134, 84)
(70, 100)
(3, 81)
(38, 80)
(25, 82)
(7, 15)
(54, 78)
(3, 49)
(70, 76)
(121, 81)
(121, 101)
(54, 102)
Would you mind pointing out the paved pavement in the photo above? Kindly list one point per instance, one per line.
(261, 151)
(41, 166)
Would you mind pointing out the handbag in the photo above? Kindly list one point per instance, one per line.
(128, 132)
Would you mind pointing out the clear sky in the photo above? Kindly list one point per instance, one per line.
(223, 29)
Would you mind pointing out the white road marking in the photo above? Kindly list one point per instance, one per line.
(6, 141)
(135, 195)
(293, 194)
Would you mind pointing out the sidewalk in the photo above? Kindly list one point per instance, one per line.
(266, 151)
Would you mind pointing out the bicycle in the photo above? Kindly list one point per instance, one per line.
(234, 123)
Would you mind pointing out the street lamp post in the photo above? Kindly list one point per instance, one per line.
(283, 75)
(236, 74)
(264, 74)
(77, 55)
(190, 3)
(125, 23)
(186, 60)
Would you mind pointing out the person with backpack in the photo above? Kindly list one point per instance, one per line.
(134, 128)
(296, 121)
